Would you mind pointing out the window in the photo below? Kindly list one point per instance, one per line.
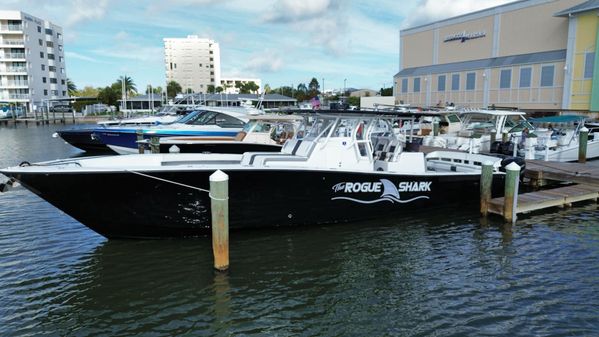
(505, 79)
(62, 70)
(417, 84)
(43, 80)
(49, 43)
(64, 93)
(53, 80)
(54, 92)
(441, 83)
(211, 59)
(212, 73)
(59, 36)
(51, 68)
(50, 56)
(45, 92)
(470, 81)
(62, 82)
(60, 47)
(547, 75)
(455, 82)
(43, 67)
(211, 52)
(39, 29)
(525, 77)
(48, 31)
(40, 42)
(404, 85)
(42, 54)
(589, 63)
(200, 65)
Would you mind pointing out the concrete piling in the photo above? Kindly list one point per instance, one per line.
(219, 206)
(583, 138)
(486, 181)
(512, 180)
(140, 137)
(435, 128)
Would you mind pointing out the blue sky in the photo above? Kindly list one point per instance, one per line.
(282, 42)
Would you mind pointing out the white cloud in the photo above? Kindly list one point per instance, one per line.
(293, 10)
(266, 62)
(74, 55)
(433, 10)
(85, 10)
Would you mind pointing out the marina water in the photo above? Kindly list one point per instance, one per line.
(447, 274)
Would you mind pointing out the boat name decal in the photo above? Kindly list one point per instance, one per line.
(389, 191)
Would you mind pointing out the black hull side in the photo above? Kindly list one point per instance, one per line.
(82, 139)
(222, 147)
(126, 205)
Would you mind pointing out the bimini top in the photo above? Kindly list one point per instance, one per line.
(491, 112)
(558, 119)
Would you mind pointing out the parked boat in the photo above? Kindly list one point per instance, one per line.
(339, 171)
(83, 139)
(265, 133)
(207, 122)
(557, 139)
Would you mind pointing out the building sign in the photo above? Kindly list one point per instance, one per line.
(464, 36)
(28, 18)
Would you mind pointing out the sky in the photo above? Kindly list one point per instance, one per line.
(283, 42)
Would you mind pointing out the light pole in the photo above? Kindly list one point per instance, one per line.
(344, 82)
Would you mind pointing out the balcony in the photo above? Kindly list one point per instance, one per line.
(14, 84)
(12, 43)
(12, 70)
(11, 28)
(14, 97)
(16, 56)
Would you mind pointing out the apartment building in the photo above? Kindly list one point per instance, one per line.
(32, 63)
(535, 55)
(228, 84)
(192, 62)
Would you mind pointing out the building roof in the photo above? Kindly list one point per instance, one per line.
(583, 7)
(144, 98)
(494, 62)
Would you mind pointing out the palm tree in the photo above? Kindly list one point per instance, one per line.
(71, 87)
(129, 84)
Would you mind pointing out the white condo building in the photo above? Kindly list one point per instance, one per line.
(32, 64)
(192, 62)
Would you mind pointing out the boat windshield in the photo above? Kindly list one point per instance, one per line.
(519, 127)
(190, 117)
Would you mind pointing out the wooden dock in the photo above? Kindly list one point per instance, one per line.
(584, 176)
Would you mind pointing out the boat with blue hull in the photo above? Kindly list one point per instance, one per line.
(210, 123)
(339, 171)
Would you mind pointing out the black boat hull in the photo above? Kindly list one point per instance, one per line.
(230, 147)
(82, 139)
(127, 205)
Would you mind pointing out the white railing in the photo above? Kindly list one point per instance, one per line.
(12, 42)
(14, 55)
(14, 96)
(14, 84)
(11, 28)
(15, 70)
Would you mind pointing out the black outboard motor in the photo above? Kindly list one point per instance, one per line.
(508, 160)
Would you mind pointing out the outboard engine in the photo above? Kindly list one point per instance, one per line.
(508, 160)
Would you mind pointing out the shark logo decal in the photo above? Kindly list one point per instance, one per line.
(389, 192)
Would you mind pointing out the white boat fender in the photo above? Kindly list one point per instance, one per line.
(55, 135)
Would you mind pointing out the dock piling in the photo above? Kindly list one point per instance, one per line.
(219, 206)
(155, 145)
(140, 137)
(583, 138)
(486, 181)
(435, 128)
(512, 179)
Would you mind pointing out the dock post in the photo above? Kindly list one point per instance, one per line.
(155, 144)
(486, 181)
(140, 137)
(219, 207)
(583, 138)
(435, 128)
(510, 199)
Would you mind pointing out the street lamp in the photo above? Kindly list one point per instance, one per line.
(344, 82)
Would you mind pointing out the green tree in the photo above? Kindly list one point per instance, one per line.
(71, 87)
(109, 95)
(387, 91)
(285, 91)
(130, 87)
(219, 89)
(210, 88)
(88, 91)
(173, 88)
(155, 90)
(189, 91)
(313, 87)
(267, 89)
(250, 87)
(353, 100)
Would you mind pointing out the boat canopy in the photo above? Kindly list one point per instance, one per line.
(557, 119)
